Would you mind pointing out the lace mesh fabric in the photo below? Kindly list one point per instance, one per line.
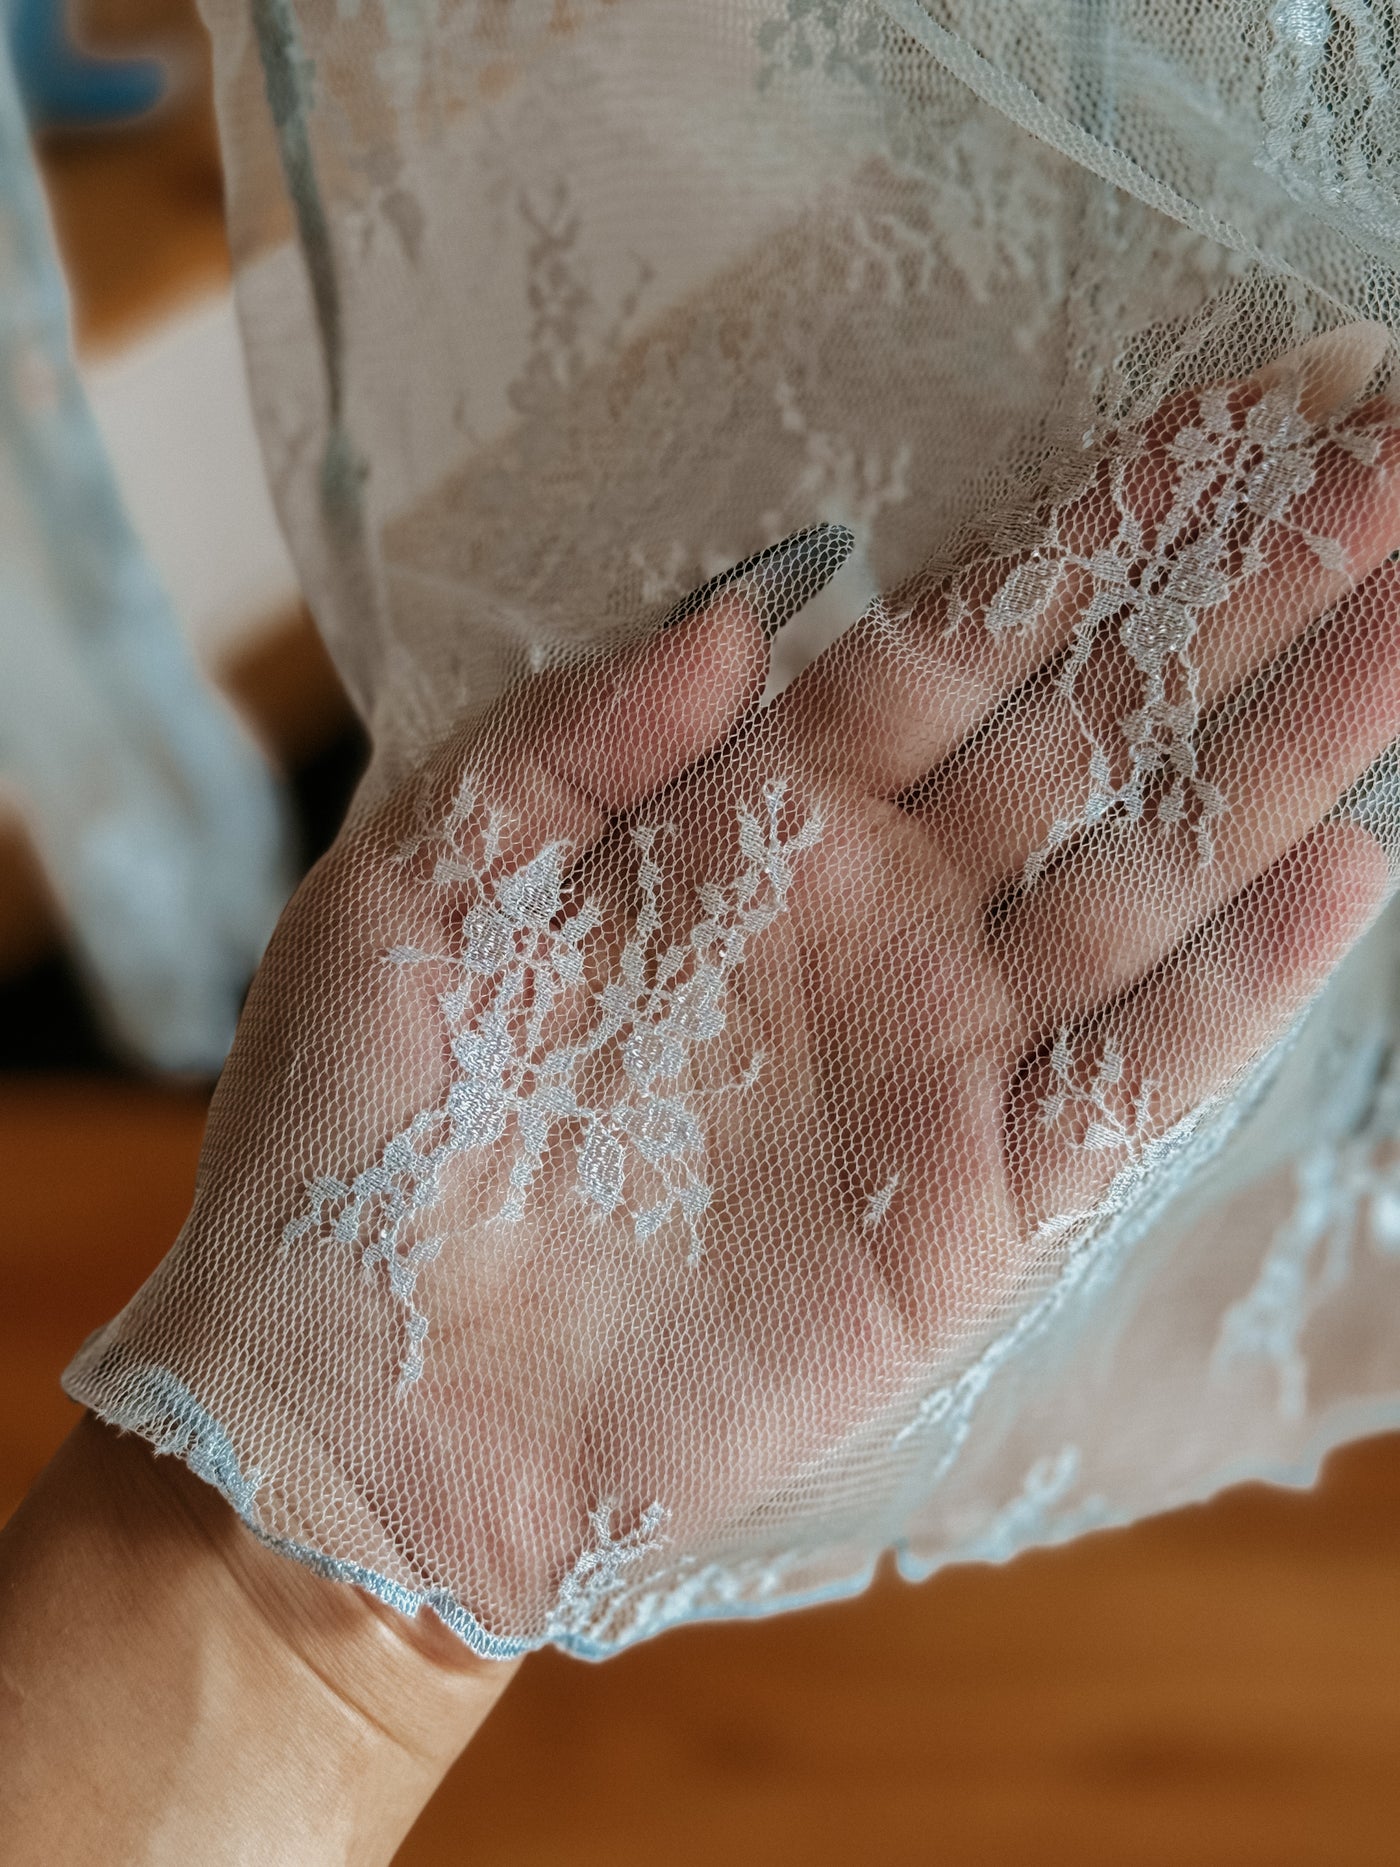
(895, 1048)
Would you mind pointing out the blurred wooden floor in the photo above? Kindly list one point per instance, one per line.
(1217, 1687)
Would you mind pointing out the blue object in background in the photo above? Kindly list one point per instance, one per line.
(156, 819)
(64, 86)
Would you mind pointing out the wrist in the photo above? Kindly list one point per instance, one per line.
(220, 1701)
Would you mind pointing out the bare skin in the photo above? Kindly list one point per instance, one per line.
(172, 1692)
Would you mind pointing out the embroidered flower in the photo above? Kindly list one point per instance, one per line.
(520, 949)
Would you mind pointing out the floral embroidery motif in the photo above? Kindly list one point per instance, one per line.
(1040, 1512)
(1234, 475)
(839, 477)
(1331, 111)
(949, 197)
(839, 39)
(1348, 1189)
(588, 1591)
(1101, 1103)
(519, 951)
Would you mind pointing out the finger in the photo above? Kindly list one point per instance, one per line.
(556, 758)
(897, 1014)
(1279, 760)
(1019, 787)
(901, 690)
(1091, 1102)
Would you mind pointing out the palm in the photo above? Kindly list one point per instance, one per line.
(602, 1274)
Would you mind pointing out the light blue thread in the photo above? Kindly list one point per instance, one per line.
(1030, 1517)
(155, 1402)
(161, 1409)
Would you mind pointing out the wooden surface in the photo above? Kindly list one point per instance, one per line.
(1217, 1687)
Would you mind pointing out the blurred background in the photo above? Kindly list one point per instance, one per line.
(1221, 1685)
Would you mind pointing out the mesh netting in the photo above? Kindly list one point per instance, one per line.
(850, 1050)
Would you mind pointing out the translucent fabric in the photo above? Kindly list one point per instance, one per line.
(156, 819)
(895, 1049)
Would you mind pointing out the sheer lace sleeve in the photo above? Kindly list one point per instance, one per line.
(855, 1008)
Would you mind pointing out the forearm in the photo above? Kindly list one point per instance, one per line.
(172, 1691)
